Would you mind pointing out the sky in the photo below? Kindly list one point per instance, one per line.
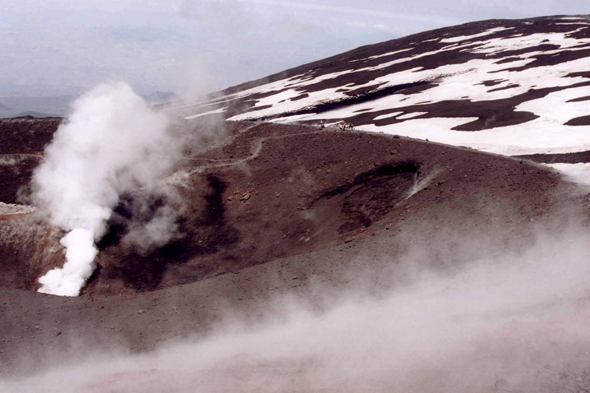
(52, 47)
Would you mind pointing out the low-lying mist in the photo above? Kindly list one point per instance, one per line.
(515, 323)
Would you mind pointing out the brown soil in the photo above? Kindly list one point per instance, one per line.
(280, 207)
(567, 158)
(26, 135)
(279, 191)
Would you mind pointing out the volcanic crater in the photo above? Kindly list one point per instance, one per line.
(268, 209)
(273, 191)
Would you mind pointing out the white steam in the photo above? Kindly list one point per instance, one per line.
(516, 323)
(80, 254)
(112, 142)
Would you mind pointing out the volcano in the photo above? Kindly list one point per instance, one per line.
(493, 86)
(452, 131)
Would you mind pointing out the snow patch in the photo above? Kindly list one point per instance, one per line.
(390, 53)
(578, 173)
(389, 115)
(220, 110)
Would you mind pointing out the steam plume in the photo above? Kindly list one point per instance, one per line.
(112, 142)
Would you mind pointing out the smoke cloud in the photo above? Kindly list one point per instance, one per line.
(112, 142)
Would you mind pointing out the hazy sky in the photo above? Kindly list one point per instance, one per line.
(53, 46)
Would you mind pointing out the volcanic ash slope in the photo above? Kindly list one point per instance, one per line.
(514, 87)
(281, 208)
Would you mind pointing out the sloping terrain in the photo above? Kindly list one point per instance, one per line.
(301, 210)
(284, 205)
(273, 191)
(512, 87)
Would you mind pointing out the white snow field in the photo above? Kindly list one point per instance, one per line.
(502, 63)
(578, 173)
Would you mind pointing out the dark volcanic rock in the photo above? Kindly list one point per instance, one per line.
(579, 121)
(26, 135)
(478, 76)
(566, 158)
(320, 202)
(274, 191)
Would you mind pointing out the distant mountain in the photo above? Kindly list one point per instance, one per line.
(43, 106)
(160, 97)
(505, 86)
(32, 114)
(57, 106)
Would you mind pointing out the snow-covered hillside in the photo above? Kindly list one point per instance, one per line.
(510, 87)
